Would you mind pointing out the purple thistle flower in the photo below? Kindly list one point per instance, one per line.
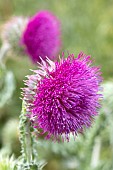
(63, 97)
(42, 36)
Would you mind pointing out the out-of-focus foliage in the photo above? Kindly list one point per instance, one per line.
(7, 86)
(7, 163)
(10, 137)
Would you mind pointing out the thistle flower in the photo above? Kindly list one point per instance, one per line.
(11, 31)
(62, 97)
(42, 36)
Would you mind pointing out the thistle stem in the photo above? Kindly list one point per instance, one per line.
(96, 153)
(28, 142)
(25, 137)
(3, 51)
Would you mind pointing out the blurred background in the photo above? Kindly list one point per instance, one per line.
(86, 26)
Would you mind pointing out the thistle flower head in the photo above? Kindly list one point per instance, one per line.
(42, 36)
(62, 97)
(12, 30)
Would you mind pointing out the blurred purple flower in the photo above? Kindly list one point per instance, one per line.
(42, 36)
(63, 97)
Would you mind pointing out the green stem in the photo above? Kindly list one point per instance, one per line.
(25, 137)
(3, 52)
(28, 159)
(28, 142)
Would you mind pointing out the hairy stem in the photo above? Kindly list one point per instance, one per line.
(25, 137)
